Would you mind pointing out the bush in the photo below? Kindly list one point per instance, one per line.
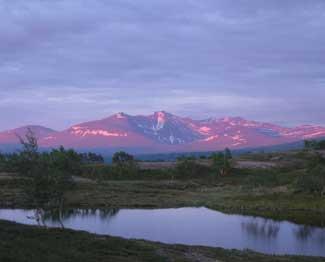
(222, 162)
(267, 179)
(89, 158)
(47, 175)
(313, 144)
(122, 158)
(313, 181)
(110, 172)
(190, 169)
(2, 163)
(124, 165)
(126, 170)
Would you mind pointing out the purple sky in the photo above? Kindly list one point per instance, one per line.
(63, 62)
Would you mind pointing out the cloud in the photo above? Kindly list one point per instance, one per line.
(87, 58)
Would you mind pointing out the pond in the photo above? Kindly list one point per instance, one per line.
(189, 226)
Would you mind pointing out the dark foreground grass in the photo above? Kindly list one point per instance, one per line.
(20, 243)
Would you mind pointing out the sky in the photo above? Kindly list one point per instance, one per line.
(65, 62)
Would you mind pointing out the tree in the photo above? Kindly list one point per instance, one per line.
(47, 176)
(28, 157)
(315, 160)
(314, 145)
(307, 144)
(221, 162)
(121, 158)
(2, 162)
(29, 143)
(91, 158)
(313, 181)
(321, 144)
(228, 154)
(216, 157)
(227, 162)
(124, 165)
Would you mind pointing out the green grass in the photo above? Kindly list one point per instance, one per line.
(278, 202)
(266, 192)
(261, 192)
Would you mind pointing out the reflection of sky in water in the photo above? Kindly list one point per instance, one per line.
(192, 226)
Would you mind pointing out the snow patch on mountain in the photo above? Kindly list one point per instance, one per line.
(49, 138)
(316, 134)
(161, 119)
(161, 129)
(238, 140)
(204, 130)
(211, 138)
(84, 131)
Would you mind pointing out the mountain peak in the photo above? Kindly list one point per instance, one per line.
(162, 114)
(163, 131)
(11, 136)
(161, 119)
(33, 128)
(120, 115)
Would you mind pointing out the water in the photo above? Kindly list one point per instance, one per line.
(190, 226)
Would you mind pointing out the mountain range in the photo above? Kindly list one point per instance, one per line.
(165, 132)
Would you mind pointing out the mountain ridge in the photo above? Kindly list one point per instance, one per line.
(166, 132)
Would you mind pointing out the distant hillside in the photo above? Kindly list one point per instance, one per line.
(267, 149)
(163, 132)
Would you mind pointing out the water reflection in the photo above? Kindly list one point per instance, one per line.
(189, 226)
(310, 234)
(42, 217)
(304, 233)
(261, 228)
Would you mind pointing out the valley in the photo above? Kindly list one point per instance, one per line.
(267, 196)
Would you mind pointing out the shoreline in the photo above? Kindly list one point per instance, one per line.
(108, 248)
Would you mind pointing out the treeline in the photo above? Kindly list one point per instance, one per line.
(10, 162)
(125, 167)
(314, 144)
(90, 158)
(61, 164)
(46, 176)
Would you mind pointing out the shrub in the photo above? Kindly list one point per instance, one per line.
(47, 175)
(124, 165)
(263, 178)
(222, 162)
(2, 162)
(121, 158)
(89, 158)
(313, 181)
(313, 144)
(190, 169)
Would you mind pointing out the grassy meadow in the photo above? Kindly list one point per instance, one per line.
(264, 184)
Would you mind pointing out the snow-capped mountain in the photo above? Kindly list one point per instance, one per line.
(163, 132)
(166, 128)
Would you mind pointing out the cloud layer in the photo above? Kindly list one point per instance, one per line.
(63, 62)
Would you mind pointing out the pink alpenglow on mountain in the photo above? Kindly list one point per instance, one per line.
(12, 136)
(165, 132)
